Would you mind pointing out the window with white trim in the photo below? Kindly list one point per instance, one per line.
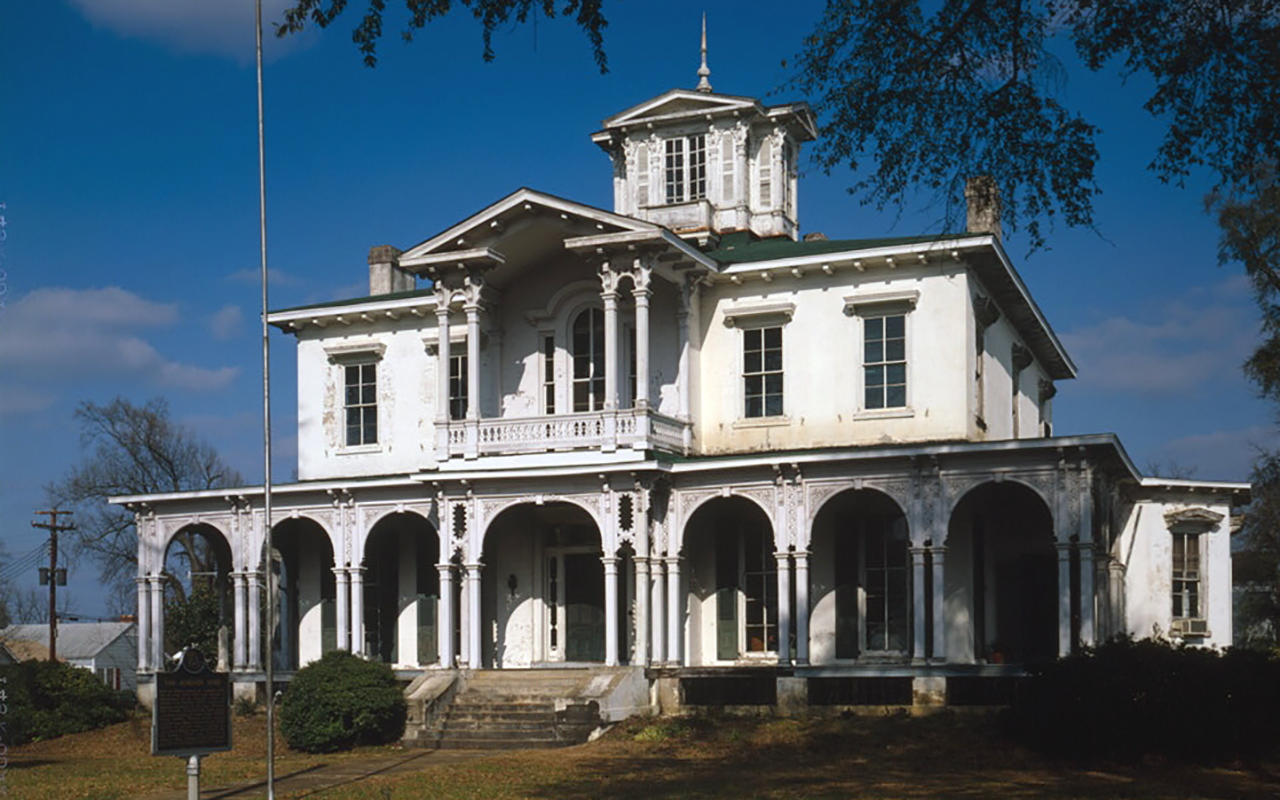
(588, 361)
(548, 374)
(1186, 576)
(685, 168)
(765, 168)
(457, 386)
(762, 372)
(884, 361)
(361, 403)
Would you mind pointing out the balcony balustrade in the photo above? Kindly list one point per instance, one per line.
(640, 429)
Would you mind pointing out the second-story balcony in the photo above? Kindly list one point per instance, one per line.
(606, 431)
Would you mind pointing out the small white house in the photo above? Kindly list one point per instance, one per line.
(108, 649)
(679, 436)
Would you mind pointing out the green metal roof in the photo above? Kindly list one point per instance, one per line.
(745, 247)
(373, 298)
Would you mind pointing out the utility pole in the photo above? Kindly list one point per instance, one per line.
(54, 528)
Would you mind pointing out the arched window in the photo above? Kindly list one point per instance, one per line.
(588, 361)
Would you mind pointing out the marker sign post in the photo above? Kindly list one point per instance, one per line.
(191, 715)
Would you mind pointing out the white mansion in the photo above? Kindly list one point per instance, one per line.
(680, 439)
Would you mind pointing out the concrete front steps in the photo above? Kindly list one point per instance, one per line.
(513, 709)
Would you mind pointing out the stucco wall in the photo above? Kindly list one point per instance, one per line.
(1146, 548)
(822, 360)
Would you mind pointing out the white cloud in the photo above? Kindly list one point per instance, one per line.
(16, 399)
(226, 322)
(1178, 345)
(1221, 455)
(56, 336)
(213, 27)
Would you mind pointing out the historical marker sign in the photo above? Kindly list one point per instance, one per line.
(191, 714)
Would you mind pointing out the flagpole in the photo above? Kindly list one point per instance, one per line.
(266, 432)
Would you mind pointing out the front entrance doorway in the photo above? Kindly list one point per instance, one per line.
(544, 588)
(575, 628)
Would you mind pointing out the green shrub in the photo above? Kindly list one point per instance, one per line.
(1126, 698)
(46, 699)
(341, 701)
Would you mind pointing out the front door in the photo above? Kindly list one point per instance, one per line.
(575, 605)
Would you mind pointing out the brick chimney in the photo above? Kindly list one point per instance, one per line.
(385, 275)
(982, 198)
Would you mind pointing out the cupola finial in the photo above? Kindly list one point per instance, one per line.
(704, 72)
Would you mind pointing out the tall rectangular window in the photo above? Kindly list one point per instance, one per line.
(727, 171)
(361, 403)
(548, 375)
(1186, 576)
(884, 362)
(697, 167)
(457, 386)
(685, 168)
(765, 168)
(675, 171)
(762, 372)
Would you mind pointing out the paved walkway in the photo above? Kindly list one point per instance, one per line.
(319, 780)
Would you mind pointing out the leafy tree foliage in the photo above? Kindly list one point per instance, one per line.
(490, 13)
(933, 93)
(193, 620)
(134, 450)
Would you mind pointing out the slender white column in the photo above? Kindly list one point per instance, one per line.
(144, 624)
(659, 627)
(939, 615)
(343, 583)
(473, 616)
(442, 376)
(444, 624)
(1064, 598)
(473, 360)
(610, 349)
(802, 607)
(157, 623)
(1085, 551)
(784, 606)
(610, 611)
(682, 350)
(240, 648)
(357, 610)
(1086, 594)
(1115, 574)
(642, 294)
(255, 621)
(641, 655)
(675, 632)
(920, 603)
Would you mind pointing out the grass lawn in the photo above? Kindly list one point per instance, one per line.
(948, 755)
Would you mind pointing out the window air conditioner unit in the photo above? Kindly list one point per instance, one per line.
(1189, 627)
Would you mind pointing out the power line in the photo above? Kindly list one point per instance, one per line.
(24, 562)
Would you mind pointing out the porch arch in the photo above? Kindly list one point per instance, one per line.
(306, 623)
(195, 559)
(861, 591)
(545, 582)
(732, 600)
(1001, 592)
(399, 590)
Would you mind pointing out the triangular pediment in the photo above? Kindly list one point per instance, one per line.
(679, 103)
(524, 227)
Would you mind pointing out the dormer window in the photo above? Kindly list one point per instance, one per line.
(685, 168)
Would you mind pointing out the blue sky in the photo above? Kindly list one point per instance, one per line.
(128, 170)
